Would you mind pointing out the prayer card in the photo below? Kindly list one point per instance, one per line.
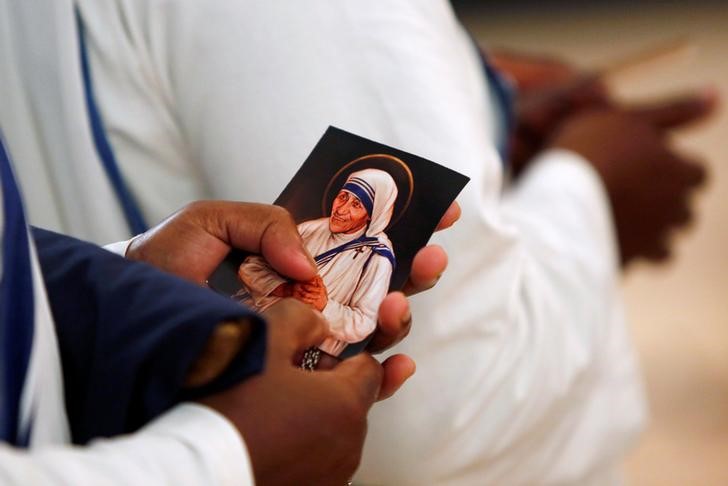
(363, 210)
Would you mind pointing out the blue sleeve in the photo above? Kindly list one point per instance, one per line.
(128, 333)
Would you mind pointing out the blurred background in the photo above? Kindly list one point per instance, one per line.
(678, 312)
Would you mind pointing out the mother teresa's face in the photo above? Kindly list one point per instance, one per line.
(348, 214)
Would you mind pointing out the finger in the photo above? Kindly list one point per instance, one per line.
(307, 294)
(395, 321)
(310, 287)
(427, 268)
(292, 327)
(682, 216)
(450, 217)
(685, 172)
(397, 369)
(591, 91)
(304, 299)
(327, 362)
(680, 111)
(364, 376)
(270, 231)
(694, 173)
(661, 252)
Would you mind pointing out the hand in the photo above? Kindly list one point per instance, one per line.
(395, 319)
(194, 241)
(313, 293)
(649, 184)
(549, 90)
(302, 427)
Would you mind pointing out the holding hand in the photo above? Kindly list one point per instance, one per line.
(315, 423)
(549, 91)
(194, 241)
(313, 293)
(649, 184)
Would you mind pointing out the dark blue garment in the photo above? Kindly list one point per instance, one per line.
(16, 307)
(127, 335)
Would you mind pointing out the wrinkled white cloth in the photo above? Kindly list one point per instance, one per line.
(526, 374)
(190, 444)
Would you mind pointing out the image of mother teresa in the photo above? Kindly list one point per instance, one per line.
(354, 257)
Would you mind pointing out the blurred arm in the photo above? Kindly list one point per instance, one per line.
(191, 444)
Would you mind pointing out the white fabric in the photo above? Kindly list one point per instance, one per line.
(356, 282)
(525, 371)
(169, 451)
(120, 247)
(44, 120)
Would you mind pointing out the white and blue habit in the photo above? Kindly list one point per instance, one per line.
(355, 267)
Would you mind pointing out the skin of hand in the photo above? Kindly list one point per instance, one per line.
(315, 423)
(313, 293)
(549, 90)
(194, 241)
(649, 184)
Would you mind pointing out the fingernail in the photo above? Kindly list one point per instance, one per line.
(407, 316)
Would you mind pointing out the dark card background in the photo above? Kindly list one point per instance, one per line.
(435, 187)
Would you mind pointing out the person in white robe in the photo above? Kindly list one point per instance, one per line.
(526, 374)
(354, 256)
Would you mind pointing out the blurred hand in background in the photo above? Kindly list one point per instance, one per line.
(648, 182)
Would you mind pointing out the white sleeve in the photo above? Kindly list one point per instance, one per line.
(189, 445)
(356, 320)
(120, 247)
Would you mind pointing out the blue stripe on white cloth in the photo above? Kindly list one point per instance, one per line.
(361, 193)
(361, 242)
(365, 185)
(16, 308)
(129, 206)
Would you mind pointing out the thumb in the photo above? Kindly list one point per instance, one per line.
(364, 376)
(679, 111)
(270, 231)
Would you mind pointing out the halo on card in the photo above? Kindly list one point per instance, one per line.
(399, 171)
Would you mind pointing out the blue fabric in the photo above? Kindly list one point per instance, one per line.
(361, 242)
(16, 307)
(129, 206)
(506, 98)
(128, 333)
(362, 191)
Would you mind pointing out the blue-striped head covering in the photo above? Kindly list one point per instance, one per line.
(377, 192)
(362, 190)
